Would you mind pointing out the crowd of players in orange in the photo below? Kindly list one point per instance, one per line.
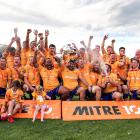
(32, 70)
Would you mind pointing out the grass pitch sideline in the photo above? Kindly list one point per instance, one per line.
(24, 129)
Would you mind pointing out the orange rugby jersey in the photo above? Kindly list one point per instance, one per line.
(109, 88)
(10, 61)
(113, 67)
(39, 98)
(106, 57)
(11, 95)
(29, 53)
(123, 72)
(70, 78)
(39, 59)
(15, 74)
(49, 77)
(32, 75)
(134, 79)
(5, 75)
(94, 78)
(127, 60)
(85, 72)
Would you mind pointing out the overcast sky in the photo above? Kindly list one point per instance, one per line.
(74, 20)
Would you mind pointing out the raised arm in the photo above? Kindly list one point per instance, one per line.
(28, 39)
(46, 39)
(18, 49)
(41, 42)
(11, 42)
(15, 32)
(41, 53)
(103, 44)
(35, 59)
(83, 43)
(112, 44)
(17, 39)
(6, 50)
(36, 34)
(89, 42)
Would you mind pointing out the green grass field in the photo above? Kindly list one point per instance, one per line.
(24, 129)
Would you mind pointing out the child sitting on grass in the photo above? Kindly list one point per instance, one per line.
(39, 97)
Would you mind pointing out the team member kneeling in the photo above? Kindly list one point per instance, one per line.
(70, 77)
(109, 85)
(94, 92)
(50, 76)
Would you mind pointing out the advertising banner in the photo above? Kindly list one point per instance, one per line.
(100, 110)
(53, 110)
